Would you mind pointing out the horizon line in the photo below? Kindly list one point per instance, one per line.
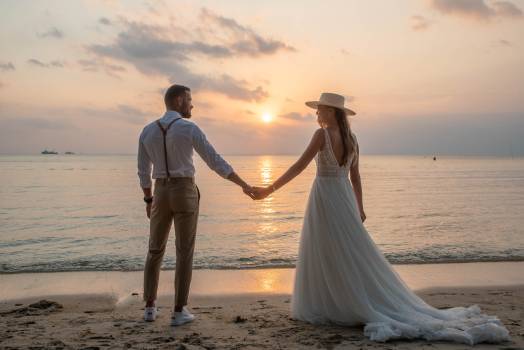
(285, 154)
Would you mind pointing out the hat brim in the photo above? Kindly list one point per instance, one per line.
(315, 104)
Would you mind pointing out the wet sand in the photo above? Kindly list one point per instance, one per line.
(224, 282)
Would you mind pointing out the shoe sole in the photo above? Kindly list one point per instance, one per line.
(174, 324)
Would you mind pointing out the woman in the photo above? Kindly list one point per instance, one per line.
(341, 275)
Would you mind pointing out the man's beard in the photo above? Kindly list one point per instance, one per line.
(186, 111)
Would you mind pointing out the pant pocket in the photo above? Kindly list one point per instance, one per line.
(185, 198)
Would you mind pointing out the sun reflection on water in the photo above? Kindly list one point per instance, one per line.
(266, 171)
(266, 210)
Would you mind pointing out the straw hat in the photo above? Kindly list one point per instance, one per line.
(331, 100)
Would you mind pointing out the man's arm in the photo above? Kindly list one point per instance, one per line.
(144, 173)
(214, 161)
(233, 177)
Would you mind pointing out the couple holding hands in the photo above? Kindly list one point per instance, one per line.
(341, 275)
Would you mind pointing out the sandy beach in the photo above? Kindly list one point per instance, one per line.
(246, 321)
(234, 309)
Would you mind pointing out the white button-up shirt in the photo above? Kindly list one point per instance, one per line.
(182, 137)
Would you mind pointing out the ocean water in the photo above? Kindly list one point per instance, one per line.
(68, 213)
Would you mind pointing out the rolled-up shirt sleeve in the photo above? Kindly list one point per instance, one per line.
(144, 165)
(209, 155)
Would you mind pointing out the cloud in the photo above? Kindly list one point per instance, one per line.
(507, 9)
(52, 33)
(419, 23)
(17, 118)
(105, 21)
(96, 65)
(36, 62)
(156, 57)
(7, 66)
(349, 98)
(244, 40)
(51, 64)
(281, 139)
(33, 123)
(121, 112)
(477, 9)
(237, 89)
(27, 128)
(505, 43)
(295, 116)
(163, 51)
(131, 114)
(459, 134)
(473, 8)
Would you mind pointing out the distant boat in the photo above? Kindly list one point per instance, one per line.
(48, 152)
(69, 152)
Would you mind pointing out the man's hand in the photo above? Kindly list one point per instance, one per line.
(148, 194)
(148, 210)
(248, 190)
(362, 215)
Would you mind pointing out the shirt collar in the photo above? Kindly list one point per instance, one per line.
(169, 116)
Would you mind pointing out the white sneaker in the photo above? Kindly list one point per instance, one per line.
(150, 313)
(182, 317)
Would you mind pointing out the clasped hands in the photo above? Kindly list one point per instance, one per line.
(256, 192)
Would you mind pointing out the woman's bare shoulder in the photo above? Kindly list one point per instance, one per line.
(318, 137)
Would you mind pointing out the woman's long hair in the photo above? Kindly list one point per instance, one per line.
(345, 133)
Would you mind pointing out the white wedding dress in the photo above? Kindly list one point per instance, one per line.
(343, 278)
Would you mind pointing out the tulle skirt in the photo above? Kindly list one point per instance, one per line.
(343, 278)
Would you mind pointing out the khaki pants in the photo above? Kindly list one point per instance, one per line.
(175, 200)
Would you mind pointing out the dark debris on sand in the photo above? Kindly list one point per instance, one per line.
(42, 307)
(240, 319)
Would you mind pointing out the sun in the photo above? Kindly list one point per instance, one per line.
(267, 118)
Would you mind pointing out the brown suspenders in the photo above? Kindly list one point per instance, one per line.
(164, 132)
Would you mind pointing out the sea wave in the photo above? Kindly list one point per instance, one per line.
(242, 263)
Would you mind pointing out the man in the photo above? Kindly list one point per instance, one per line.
(167, 145)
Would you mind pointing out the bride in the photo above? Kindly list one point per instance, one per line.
(341, 275)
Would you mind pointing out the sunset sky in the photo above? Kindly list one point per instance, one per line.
(424, 76)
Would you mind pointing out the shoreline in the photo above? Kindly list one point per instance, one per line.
(246, 281)
(266, 267)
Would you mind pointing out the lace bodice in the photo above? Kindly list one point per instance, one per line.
(327, 164)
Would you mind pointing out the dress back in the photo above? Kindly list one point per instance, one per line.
(327, 163)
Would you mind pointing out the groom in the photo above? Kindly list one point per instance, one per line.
(167, 146)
